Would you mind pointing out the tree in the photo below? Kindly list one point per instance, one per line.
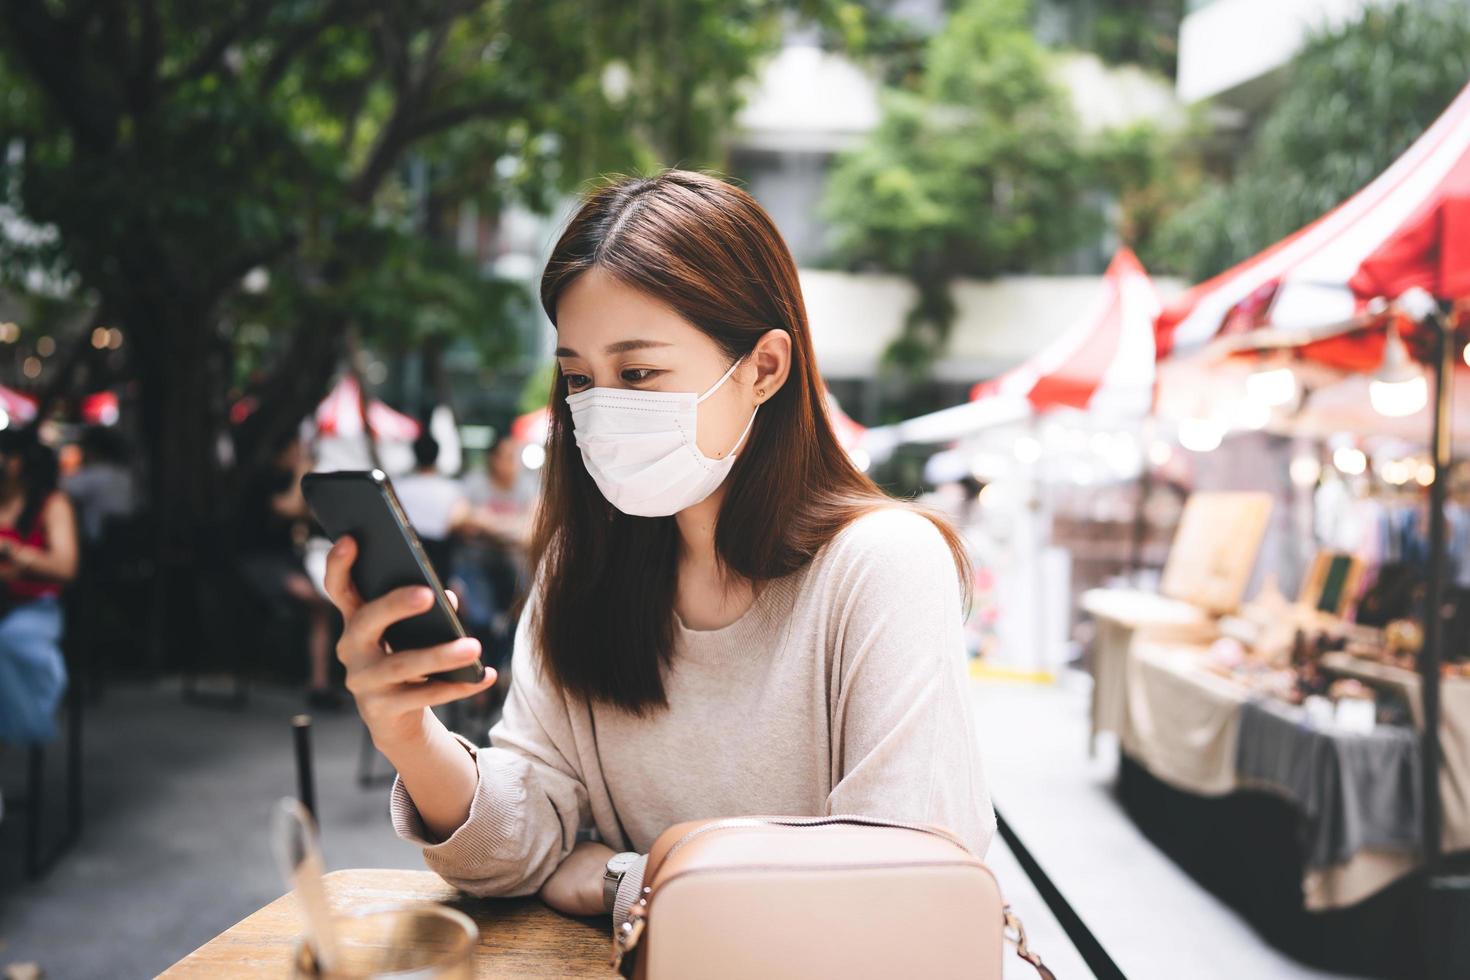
(1355, 98)
(1135, 32)
(171, 147)
(976, 172)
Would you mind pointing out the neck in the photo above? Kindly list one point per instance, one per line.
(697, 530)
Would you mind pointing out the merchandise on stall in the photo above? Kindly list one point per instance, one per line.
(1324, 735)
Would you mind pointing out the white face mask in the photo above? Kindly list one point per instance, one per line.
(639, 447)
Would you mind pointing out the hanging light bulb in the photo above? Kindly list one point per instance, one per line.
(1350, 460)
(1272, 386)
(1399, 388)
(1201, 435)
(1305, 471)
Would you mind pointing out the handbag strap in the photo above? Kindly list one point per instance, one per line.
(1015, 934)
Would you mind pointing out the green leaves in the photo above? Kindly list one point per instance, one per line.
(1354, 100)
(172, 146)
(976, 171)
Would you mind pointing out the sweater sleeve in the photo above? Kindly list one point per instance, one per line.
(530, 796)
(905, 742)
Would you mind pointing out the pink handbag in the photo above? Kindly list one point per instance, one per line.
(803, 897)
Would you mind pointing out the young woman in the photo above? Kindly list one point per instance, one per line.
(38, 555)
(728, 618)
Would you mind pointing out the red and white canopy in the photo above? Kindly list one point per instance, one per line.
(1393, 233)
(1104, 363)
(531, 427)
(17, 407)
(340, 414)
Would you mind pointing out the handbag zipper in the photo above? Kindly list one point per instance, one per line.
(807, 822)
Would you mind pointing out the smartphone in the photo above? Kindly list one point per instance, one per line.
(361, 503)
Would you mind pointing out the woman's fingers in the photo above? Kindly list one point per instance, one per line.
(338, 579)
(364, 629)
(411, 697)
(415, 665)
(453, 599)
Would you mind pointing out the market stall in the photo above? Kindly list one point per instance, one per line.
(354, 433)
(1329, 736)
(1054, 441)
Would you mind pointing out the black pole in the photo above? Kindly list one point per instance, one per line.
(305, 784)
(1432, 653)
(1086, 944)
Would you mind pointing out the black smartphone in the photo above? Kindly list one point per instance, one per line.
(361, 503)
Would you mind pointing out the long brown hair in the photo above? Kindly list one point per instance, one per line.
(604, 621)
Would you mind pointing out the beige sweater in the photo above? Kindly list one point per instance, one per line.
(841, 690)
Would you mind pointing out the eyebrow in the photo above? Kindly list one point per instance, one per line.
(621, 347)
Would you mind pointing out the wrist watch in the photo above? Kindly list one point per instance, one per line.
(612, 876)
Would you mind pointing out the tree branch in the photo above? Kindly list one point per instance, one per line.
(209, 56)
(337, 12)
(143, 83)
(50, 50)
(451, 116)
(264, 255)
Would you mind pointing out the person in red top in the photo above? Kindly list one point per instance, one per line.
(38, 555)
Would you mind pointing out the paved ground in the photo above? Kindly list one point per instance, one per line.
(1152, 918)
(176, 847)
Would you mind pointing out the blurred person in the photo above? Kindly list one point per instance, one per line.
(727, 617)
(102, 488)
(435, 504)
(505, 493)
(273, 529)
(492, 566)
(38, 556)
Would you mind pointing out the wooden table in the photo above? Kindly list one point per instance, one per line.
(1121, 615)
(519, 937)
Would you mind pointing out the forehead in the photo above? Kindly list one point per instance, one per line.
(597, 310)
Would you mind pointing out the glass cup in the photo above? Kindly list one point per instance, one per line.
(405, 942)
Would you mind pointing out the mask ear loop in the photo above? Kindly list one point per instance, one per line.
(723, 378)
(748, 426)
(716, 387)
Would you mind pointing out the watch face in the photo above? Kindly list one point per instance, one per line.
(619, 863)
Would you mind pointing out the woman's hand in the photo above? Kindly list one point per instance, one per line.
(392, 693)
(575, 887)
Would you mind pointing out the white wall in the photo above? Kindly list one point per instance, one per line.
(1229, 44)
(1000, 322)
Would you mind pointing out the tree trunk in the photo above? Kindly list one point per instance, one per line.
(181, 392)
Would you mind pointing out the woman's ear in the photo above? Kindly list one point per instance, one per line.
(771, 359)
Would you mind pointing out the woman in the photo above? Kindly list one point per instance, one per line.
(728, 617)
(38, 554)
(272, 531)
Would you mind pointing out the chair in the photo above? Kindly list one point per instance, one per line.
(41, 854)
(239, 621)
(114, 587)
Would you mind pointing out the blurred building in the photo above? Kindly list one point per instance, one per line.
(805, 106)
(1234, 53)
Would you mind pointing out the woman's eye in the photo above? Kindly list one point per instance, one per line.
(634, 376)
(576, 382)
